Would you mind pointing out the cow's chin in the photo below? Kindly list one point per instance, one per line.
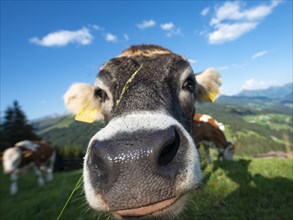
(163, 209)
(166, 209)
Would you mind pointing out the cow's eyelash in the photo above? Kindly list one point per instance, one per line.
(189, 84)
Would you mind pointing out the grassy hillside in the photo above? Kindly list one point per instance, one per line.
(253, 131)
(48, 123)
(257, 103)
(243, 189)
(75, 133)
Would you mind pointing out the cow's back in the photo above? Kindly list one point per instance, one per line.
(43, 152)
(204, 131)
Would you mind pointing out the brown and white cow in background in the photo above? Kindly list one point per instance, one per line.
(38, 155)
(144, 162)
(210, 133)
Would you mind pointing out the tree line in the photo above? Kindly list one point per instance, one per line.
(15, 127)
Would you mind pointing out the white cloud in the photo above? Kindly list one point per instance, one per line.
(229, 32)
(146, 24)
(168, 26)
(236, 11)
(64, 37)
(259, 54)
(126, 37)
(171, 29)
(221, 68)
(232, 20)
(96, 27)
(227, 11)
(231, 66)
(205, 11)
(192, 61)
(43, 102)
(110, 37)
(253, 84)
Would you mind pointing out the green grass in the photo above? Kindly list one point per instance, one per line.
(241, 189)
(275, 121)
(246, 189)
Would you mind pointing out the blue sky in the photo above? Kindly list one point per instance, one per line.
(47, 46)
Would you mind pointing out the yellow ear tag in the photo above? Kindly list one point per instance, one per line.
(87, 115)
(212, 96)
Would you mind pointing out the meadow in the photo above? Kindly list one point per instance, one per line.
(242, 189)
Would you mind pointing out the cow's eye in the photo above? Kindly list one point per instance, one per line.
(189, 84)
(99, 93)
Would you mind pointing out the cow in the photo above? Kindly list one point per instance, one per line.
(38, 155)
(143, 163)
(210, 133)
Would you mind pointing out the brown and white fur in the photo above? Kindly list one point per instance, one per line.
(38, 155)
(144, 162)
(210, 133)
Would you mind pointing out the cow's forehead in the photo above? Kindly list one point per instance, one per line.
(156, 64)
(145, 51)
(144, 78)
(10, 152)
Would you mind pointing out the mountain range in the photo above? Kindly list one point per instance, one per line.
(282, 93)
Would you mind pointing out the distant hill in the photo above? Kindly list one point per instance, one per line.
(56, 121)
(282, 93)
(256, 103)
(276, 99)
(64, 130)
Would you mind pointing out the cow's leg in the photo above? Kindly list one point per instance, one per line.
(39, 175)
(50, 167)
(49, 171)
(207, 152)
(13, 186)
(220, 153)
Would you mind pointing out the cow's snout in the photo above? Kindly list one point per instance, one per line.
(136, 170)
(7, 172)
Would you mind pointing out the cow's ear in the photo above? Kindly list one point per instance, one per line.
(79, 99)
(208, 85)
(27, 154)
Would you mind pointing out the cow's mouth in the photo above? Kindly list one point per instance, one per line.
(147, 210)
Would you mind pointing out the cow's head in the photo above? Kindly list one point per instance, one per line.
(11, 159)
(143, 163)
(229, 151)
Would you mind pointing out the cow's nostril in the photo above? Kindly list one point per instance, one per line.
(99, 164)
(169, 150)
